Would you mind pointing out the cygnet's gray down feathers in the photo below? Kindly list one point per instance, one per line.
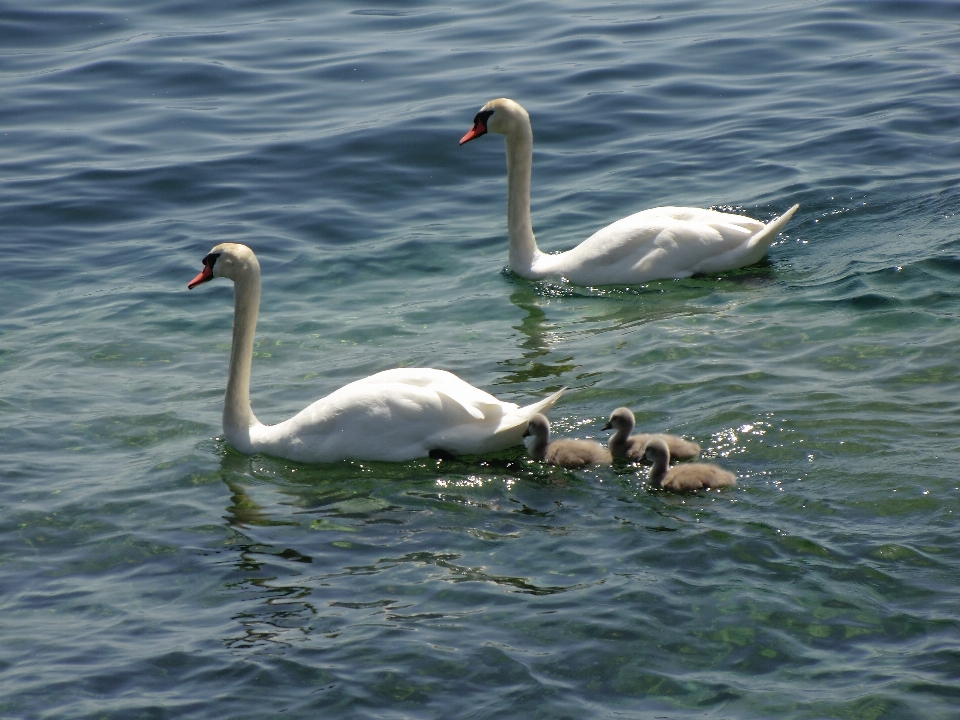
(690, 476)
(633, 447)
(567, 453)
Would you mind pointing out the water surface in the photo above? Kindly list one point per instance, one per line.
(149, 571)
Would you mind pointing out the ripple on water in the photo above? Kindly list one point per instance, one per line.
(150, 570)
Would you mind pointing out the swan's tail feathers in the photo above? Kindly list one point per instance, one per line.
(544, 404)
(518, 419)
(770, 231)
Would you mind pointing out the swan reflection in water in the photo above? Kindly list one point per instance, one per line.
(349, 534)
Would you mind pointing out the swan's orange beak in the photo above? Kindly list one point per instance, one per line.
(479, 128)
(205, 275)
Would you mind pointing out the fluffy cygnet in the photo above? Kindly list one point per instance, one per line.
(568, 452)
(633, 447)
(691, 476)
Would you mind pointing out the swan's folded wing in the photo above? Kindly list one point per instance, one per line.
(415, 376)
(430, 379)
(678, 247)
(372, 421)
(714, 218)
(456, 411)
(622, 241)
(667, 242)
(399, 421)
(503, 427)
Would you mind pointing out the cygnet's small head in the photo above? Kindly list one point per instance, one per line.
(657, 452)
(537, 436)
(497, 116)
(621, 420)
(538, 427)
(229, 260)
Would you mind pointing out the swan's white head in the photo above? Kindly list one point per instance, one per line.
(229, 260)
(502, 116)
(621, 419)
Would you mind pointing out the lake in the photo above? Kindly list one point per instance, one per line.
(148, 570)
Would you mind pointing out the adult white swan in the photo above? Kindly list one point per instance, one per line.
(393, 415)
(664, 242)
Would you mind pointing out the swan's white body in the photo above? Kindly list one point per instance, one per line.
(661, 243)
(393, 415)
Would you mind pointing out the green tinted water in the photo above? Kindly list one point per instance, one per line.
(148, 570)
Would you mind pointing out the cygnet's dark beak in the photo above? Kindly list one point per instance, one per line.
(526, 433)
(608, 426)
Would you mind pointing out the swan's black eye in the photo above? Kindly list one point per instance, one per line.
(210, 259)
(482, 117)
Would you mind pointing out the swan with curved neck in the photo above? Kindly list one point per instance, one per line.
(393, 415)
(661, 243)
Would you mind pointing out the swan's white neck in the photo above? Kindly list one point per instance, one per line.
(523, 244)
(238, 417)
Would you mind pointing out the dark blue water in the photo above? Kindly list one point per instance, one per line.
(149, 571)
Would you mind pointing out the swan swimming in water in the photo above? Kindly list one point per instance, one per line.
(634, 447)
(570, 453)
(661, 243)
(689, 476)
(393, 415)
